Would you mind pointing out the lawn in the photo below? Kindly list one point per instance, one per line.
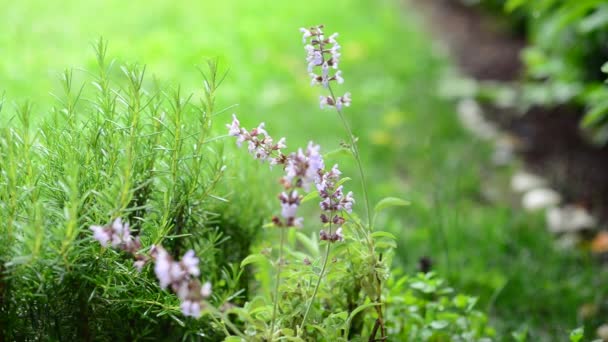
(411, 143)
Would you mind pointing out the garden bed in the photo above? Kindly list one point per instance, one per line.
(549, 139)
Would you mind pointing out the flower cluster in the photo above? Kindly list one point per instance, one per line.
(323, 53)
(333, 201)
(331, 237)
(259, 143)
(302, 169)
(340, 102)
(290, 201)
(118, 235)
(181, 277)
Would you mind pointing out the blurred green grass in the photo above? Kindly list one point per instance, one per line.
(411, 143)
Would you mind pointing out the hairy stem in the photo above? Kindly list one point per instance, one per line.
(314, 293)
(355, 151)
(225, 323)
(357, 156)
(276, 287)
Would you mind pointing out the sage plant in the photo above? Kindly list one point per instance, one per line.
(323, 56)
(302, 168)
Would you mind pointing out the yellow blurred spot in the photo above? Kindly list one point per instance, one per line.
(354, 51)
(380, 138)
(393, 118)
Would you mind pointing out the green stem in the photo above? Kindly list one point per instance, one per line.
(276, 287)
(226, 322)
(223, 326)
(314, 293)
(357, 156)
(355, 151)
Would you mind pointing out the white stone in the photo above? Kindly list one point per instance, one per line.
(570, 218)
(540, 198)
(503, 151)
(473, 121)
(523, 181)
(568, 241)
(602, 332)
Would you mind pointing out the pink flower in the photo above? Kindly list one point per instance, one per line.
(190, 263)
(304, 166)
(323, 53)
(101, 234)
(234, 129)
(259, 143)
(139, 264)
(339, 235)
(206, 290)
(191, 308)
(162, 266)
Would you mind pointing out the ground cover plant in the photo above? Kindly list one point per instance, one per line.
(410, 146)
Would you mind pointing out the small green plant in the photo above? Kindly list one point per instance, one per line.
(424, 308)
(577, 335)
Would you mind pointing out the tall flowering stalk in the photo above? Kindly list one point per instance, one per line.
(323, 56)
(303, 169)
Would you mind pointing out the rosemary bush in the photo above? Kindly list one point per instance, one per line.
(123, 148)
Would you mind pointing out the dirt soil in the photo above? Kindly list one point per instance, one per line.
(552, 144)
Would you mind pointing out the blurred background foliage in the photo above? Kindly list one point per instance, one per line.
(566, 54)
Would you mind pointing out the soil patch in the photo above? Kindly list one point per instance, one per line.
(551, 143)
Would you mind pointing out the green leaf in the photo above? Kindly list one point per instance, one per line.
(605, 68)
(309, 244)
(437, 325)
(383, 234)
(521, 335)
(232, 339)
(252, 259)
(577, 334)
(597, 113)
(310, 196)
(269, 225)
(288, 332)
(512, 5)
(390, 202)
(342, 181)
(356, 311)
(336, 152)
(386, 244)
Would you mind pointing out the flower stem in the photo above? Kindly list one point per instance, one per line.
(225, 322)
(355, 151)
(370, 241)
(276, 287)
(314, 293)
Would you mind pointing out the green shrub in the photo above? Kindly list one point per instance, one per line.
(126, 149)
